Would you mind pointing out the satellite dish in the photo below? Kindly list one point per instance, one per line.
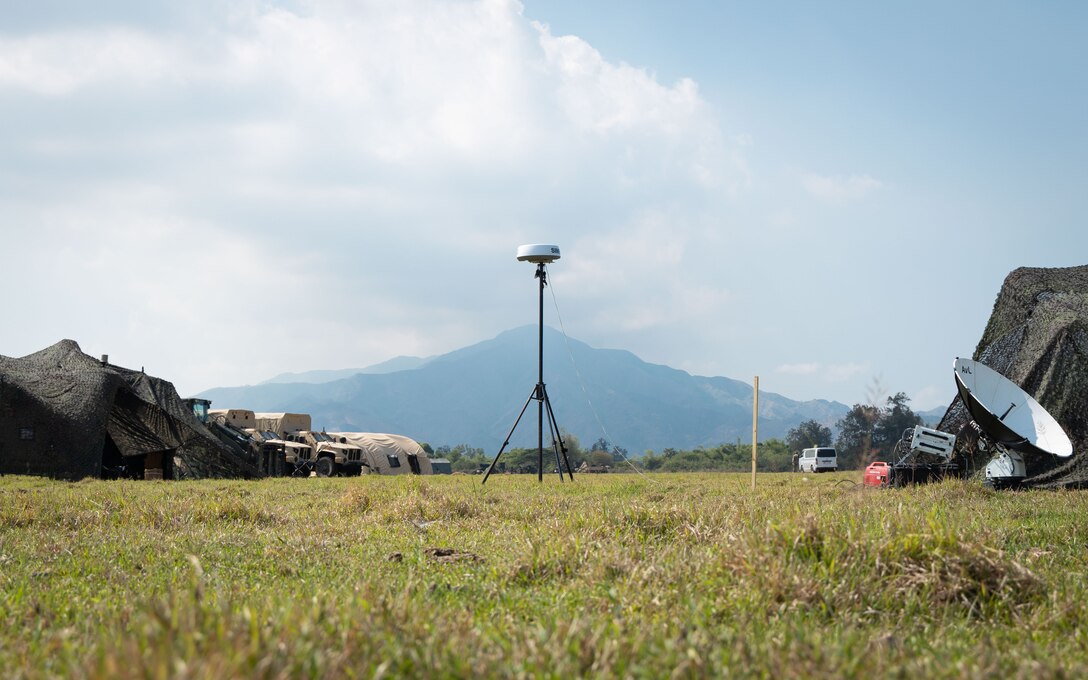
(1008, 414)
(538, 253)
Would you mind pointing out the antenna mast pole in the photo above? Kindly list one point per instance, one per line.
(539, 254)
(755, 427)
(541, 274)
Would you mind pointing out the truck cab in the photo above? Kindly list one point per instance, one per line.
(331, 458)
(298, 458)
(818, 459)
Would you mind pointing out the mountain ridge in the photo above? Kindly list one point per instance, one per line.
(398, 363)
(473, 396)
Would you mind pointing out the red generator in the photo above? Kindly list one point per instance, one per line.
(877, 474)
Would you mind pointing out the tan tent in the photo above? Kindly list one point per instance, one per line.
(388, 454)
(282, 424)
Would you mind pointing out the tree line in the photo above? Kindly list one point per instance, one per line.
(464, 458)
(866, 433)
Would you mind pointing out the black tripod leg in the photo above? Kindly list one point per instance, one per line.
(508, 435)
(558, 438)
(554, 430)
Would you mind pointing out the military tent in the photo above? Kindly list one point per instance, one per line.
(65, 414)
(388, 454)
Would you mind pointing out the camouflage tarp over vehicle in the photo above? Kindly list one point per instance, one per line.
(65, 414)
(1037, 337)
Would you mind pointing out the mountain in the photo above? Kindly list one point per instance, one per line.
(323, 376)
(474, 395)
(932, 416)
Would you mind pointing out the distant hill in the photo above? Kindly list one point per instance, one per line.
(323, 376)
(932, 416)
(473, 396)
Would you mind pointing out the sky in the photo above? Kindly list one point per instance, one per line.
(826, 195)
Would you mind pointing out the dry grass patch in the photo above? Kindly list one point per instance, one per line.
(612, 576)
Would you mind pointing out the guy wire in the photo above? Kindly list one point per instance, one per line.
(582, 383)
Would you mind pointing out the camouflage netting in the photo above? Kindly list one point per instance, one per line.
(65, 414)
(1037, 337)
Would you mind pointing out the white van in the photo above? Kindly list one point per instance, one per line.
(819, 459)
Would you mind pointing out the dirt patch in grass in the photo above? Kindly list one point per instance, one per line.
(451, 555)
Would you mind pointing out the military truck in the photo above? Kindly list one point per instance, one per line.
(234, 426)
(298, 459)
(330, 457)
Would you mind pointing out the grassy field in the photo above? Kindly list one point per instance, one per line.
(614, 575)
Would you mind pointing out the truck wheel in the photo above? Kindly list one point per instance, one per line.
(324, 467)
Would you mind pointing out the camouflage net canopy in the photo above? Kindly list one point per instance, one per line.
(68, 415)
(1037, 337)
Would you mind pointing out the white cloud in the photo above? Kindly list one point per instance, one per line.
(838, 373)
(59, 64)
(835, 189)
(799, 369)
(420, 87)
(352, 161)
(931, 396)
(605, 98)
(642, 276)
(618, 100)
(828, 373)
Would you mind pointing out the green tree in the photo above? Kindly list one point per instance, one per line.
(736, 456)
(895, 418)
(598, 458)
(808, 434)
(651, 461)
(773, 455)
(463, 458)
(855, 443)
(575, 454)
(690, 461)
(444, 451)
(525, 460)
(868, 433)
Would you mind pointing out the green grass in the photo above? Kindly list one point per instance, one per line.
(612, 576)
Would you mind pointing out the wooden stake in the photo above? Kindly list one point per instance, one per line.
(755, 427)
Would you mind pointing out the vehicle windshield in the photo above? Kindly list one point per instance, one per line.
(321, 437)
(269, 434)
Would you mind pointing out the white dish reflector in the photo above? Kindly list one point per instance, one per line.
(1007, 413)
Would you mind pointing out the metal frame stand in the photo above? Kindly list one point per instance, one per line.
(543, 403)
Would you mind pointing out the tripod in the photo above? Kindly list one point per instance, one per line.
(543, 404)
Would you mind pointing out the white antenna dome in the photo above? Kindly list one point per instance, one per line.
(538, 253)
